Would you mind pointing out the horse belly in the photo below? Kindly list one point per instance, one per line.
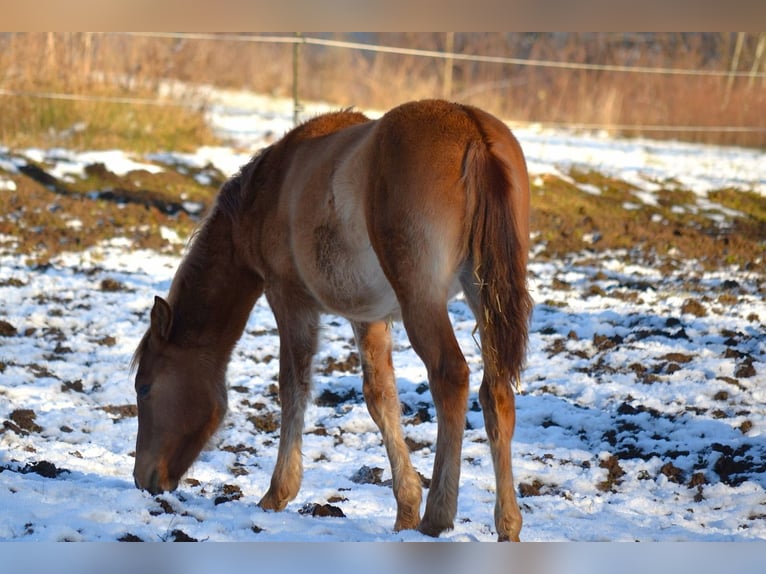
(346, 278)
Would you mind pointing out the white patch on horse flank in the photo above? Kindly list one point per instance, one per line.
(336, 259)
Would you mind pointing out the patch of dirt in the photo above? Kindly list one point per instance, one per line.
(419, 416)
(746, 369)
(328, 398)
(415, 446)
(121, 411)
(693, 307)
(266, 422)
(22, 422)
(536, 488)
(112, 286)
(72, 386)
(321, 510)
(673, 473)
(43, 468)
(614, 474)
(181, 536)
(6, 329)
(368, 475)
(48, 215)
(348, 365)
(734, 466)
(106, 341)
(229, 492)
(568, 220)
(129, 538)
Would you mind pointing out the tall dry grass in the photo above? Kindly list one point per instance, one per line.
(113, 64)
(96, 76)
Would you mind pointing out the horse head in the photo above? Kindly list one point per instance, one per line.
(178, 407)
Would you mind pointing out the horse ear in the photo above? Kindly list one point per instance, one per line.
(162, 318)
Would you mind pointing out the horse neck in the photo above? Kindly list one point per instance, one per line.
(213, 291)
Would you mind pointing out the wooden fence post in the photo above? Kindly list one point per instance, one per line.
(296, 99)
(757, 59)
(734, 65)
(449, 47)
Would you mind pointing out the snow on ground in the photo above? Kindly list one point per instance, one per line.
(639, 418)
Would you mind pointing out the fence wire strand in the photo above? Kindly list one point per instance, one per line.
(446, 55)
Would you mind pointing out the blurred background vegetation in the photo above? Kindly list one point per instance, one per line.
(92, 90)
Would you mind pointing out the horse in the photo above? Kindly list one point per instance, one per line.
(375, 221)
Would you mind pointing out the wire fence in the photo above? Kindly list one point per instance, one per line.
(448, 56)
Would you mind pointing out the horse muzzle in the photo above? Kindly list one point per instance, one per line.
(154, 481)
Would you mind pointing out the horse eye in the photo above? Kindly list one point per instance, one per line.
(143, 391)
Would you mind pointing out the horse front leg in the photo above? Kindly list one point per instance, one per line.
(298, 341)
(382, 398)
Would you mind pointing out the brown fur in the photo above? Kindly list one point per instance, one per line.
(372, 220)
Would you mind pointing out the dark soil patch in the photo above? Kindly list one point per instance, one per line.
(48, 216)
(568, 220)
(129, 538)
(421, 415)
(112, 286)
(229, 492)
(240, 447)
(181, 536)
(672, 472)
(614, 474)
(266, 422)
(321, 510)
(42, 468)
(23, 422)
(329, 398)
(415, 446)
(121, 411)
(348, 365)
(106, 341)
(72, 386)
(6, 329)
(368, 475)
(693, 307)
(536, 488)
(735, 466)
(164, 507)
(746, 369)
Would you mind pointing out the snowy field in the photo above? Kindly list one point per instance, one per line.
(642, 413)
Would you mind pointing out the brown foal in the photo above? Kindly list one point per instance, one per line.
(373, 221)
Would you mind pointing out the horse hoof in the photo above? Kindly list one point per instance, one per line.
(432, 530)
(404, 524)
(269, 502)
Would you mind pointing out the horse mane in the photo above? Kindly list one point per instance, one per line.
(325, 124)
(228, 203)
(238, 192)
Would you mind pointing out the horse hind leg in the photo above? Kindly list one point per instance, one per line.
(430, 332)
(380, 394)
(298, 341)
(498, 405)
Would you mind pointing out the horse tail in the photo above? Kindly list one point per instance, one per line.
(497, 181)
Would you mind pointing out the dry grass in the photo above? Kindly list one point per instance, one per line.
(120, 65)
(75, 64)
